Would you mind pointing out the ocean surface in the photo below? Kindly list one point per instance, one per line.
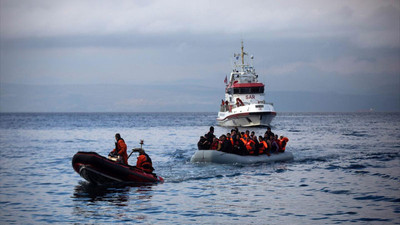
(346, 171)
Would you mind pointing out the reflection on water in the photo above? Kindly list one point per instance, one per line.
(99, 201)
(93, 193)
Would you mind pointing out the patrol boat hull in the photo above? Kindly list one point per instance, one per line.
(213, 156)
(249, 119)
(100, 170)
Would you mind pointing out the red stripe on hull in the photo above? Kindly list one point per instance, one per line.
(238, 115)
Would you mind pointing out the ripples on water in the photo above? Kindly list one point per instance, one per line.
(346, 170)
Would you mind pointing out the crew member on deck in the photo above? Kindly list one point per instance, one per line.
(120, 149)
(144, 162)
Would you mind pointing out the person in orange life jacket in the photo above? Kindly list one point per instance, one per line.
(247, 134)
(234, 137)
(250, 146)
(215, 143)
(144, 162)
(120, 149)
(284, 141)
(242, 150)
(263, 147)
(228, 146)
(243, 138)
(229, 138)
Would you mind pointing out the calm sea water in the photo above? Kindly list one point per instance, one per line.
(346, 171)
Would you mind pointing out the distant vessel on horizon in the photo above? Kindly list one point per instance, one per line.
(244, 103)
(366, 110)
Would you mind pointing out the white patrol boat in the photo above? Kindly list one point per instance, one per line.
(244, 103)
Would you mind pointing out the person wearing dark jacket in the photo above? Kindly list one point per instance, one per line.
(269, 133)
(256, 145)
(210, 135)
(225, 145)
(203, 144)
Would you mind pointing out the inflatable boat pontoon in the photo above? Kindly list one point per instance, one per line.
(214, 156)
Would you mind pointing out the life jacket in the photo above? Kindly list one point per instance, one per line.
(284, 141)
(120, 149)
(249, 147)
(263, 146)
(214, 145)
(144, 163)
(278, 142)
(231, 140)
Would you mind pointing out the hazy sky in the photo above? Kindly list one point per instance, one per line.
(165, 55)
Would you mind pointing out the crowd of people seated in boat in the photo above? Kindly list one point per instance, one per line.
(244, 143)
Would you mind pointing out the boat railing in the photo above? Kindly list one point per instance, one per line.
(230, 107)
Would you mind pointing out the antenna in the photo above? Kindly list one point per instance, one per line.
(242, 54)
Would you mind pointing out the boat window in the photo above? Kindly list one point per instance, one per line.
(250, 90)
(256, 90)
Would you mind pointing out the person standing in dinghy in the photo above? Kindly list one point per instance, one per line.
(120, 149)
(210, 136)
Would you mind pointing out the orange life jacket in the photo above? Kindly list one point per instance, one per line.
(279, 144)
(284, 141)
(120, 149)
(144, 163)
(231, 140)
(243, 140)
(263, 146)
(249, 146)
(214, 145)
